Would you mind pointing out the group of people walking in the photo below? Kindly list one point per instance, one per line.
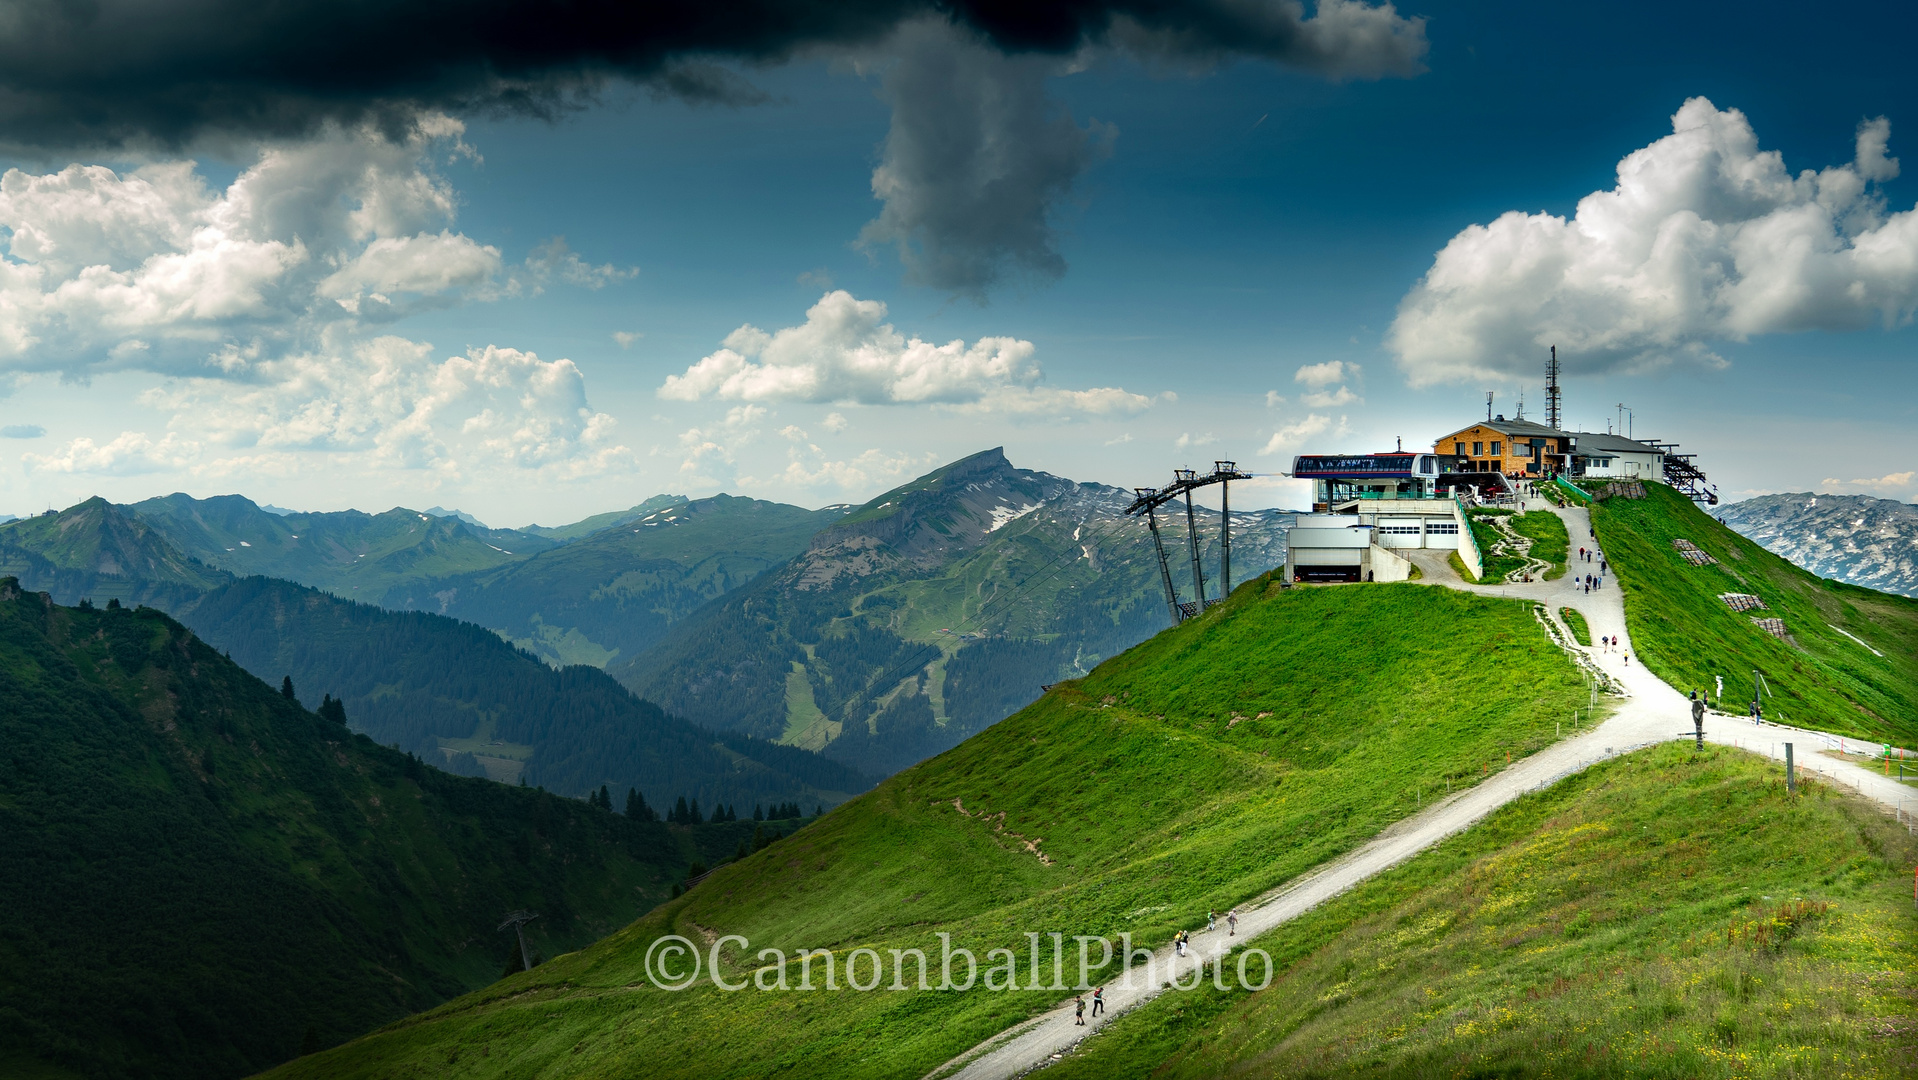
(1098, 1005)
(1179, 942)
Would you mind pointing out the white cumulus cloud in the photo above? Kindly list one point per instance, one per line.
(1888, 482)
(151, 268)
(388, 403)
(845, 352)
(1705, 238)
(131, 454)
(1292, 435)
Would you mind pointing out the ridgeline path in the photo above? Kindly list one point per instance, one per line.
(1648, 711)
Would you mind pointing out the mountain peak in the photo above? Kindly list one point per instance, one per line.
(924, 523)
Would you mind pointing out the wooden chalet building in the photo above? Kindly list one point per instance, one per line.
(1516, 448)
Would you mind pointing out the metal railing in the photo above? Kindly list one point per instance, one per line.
(1573, 488)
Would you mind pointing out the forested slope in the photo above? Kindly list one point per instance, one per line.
(610, 594)
(200, 876)
(456, 694)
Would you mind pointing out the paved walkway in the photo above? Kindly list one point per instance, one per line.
(1648, 712)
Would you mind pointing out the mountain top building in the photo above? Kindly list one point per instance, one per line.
(1516, 448)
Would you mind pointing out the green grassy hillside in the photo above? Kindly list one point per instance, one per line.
(198, 872)
(1214, 761)
(1861, 682)
(609, 595)
(1669, 914)
(456, 694)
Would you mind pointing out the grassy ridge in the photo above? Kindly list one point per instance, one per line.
(1214, 761)
(1683, 632)
(1643, 919)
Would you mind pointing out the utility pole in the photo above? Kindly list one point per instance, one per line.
(1489, 395)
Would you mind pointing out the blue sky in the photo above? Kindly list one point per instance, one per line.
(1243, 222)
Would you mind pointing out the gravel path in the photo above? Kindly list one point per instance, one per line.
(1648, 712)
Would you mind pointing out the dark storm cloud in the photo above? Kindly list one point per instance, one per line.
(77, 73)
(976, 157)
(978, 154)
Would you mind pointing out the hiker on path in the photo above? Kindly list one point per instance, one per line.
(1079, 1016)
(1232, 922)
(1698, 718)
(1098, 1000)
(1211, 920)
(1758, 712)
(1178, 942)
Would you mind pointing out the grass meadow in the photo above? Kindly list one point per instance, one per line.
(1214, 761)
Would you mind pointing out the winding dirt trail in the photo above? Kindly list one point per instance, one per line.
(1648, 712)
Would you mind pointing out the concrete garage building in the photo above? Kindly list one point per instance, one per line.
(1323, 548)
(1367, 509)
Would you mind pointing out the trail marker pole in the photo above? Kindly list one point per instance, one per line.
(1791, 781)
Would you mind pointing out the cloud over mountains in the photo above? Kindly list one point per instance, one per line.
(263, 304)
(1705, 238)
(845, 352)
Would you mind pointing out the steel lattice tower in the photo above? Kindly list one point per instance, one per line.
(1551, 392)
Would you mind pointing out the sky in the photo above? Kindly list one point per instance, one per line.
(808, 254)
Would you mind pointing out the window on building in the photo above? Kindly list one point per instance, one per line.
(1443, 528)
(1478, 448)
(1495, 465)
(1458, 448)
(1495, 448)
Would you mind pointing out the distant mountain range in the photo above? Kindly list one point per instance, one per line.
(880, 634)
(933, 611)
(611, 592)
(1856, 539)
(454, 693)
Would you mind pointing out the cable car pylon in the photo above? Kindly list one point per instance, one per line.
(1184, 483)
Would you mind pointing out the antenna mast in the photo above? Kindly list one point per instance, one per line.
(1552, 416)
(1489, 394)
